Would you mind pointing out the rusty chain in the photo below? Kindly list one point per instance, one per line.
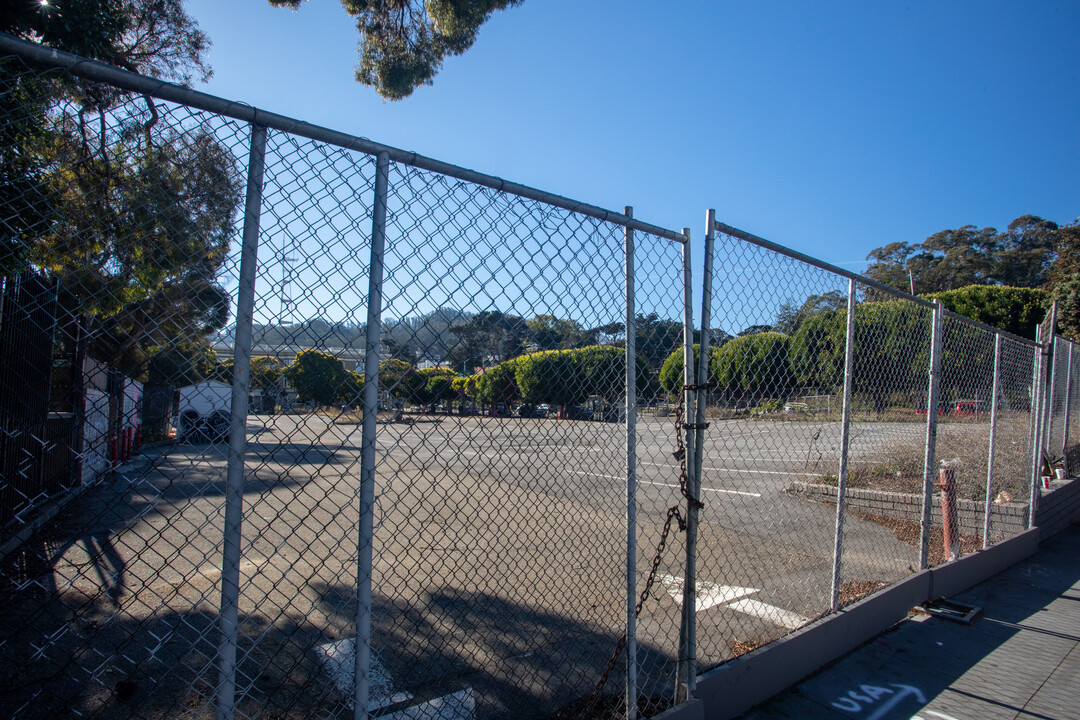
(673, 515)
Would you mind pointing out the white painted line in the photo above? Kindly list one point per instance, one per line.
(719, 490)
(775, 615)
(708, 594)
(733, 470)
(592, 474)
(732, 492)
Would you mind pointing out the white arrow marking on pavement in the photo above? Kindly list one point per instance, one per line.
(708, 595)
(895, 700)
(775, 615)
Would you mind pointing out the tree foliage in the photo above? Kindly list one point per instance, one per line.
(317, 376)
(891, 353)
(791, 317)
(757, 365)
(551, 333)
(671, 372)
(1018, 310)
(400, 379)
(1021, 256)
(498, 385)
(1064, 284)
(132, 217)
(403, 42)
(182, 363)
(488, 336)
(570, 377)
(438, 385)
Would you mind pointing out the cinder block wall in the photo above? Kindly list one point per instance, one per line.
(1006, 519)
(1058, 509)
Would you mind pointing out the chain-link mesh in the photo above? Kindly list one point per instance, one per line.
(777, 369)
(661, 556)
(496, 442)
(1070, 422)
(1010, 488)
(499, 519)
(890, 365)
(778, 401)
(121, 211)
(1057, 395)
(963, 433)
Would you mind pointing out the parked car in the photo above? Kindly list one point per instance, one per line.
(578, 412)
(971, 408)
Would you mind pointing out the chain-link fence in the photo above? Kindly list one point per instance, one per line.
(300, 425)
(387, 438)
(856, 435)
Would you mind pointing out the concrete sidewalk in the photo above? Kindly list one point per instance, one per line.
(1020, 658)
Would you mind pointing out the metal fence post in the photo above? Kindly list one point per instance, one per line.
(845, 440)
(362, 644)
(1036, 422)
(993, 440)
(1047, 390)
(234, 492)
(1068, 408)
(631, 475)
(694, 478)
(1042, 400)
(1050, 396)
(931, 432)
(685, 671)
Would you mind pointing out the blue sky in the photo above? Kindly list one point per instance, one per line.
(830, 127)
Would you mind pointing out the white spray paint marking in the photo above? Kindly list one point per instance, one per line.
(869, 695)
(773, 614)
(337, 658)
(708, 595)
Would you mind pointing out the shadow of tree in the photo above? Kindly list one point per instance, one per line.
(66, 652)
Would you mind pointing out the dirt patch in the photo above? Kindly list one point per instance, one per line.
(857, 589)
(741, 647)
(909, 532)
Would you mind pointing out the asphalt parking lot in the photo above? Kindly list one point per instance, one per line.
(499, 558)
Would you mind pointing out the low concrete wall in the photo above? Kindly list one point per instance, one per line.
(1006, 519)
(749, 680)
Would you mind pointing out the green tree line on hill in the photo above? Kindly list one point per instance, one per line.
(1007, 279)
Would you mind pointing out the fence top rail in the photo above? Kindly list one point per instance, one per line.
(796, 255)
(43, 56)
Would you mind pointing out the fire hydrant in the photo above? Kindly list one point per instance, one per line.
(949, 520)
